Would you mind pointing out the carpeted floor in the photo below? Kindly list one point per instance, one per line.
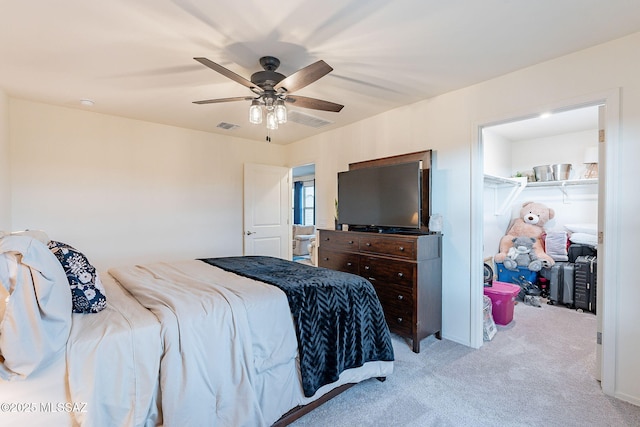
(537, 371)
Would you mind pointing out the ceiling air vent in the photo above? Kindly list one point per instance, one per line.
(307, 119)
(227, 126)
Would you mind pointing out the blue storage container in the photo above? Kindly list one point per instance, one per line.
(510, 276)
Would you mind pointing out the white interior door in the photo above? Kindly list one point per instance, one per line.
(267, 209)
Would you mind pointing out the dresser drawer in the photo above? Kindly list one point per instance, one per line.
(389, 246)
(341, 261)
(397, 300)
(385, 270)
(399, 325)
(338, 240)
(397, 304)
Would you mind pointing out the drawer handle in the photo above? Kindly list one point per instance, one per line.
(400, 297)
(372, 279)
(399, 320)
(400, 275)
(401, 248)
(368, 244)
(326, 258)
(366, 267)
(351, 242)
(349, 264)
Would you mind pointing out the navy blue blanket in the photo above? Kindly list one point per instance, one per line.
(338, 318)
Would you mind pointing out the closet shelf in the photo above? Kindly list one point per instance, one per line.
(515, 184)
(587, 181)
(563, 185)
(500, 180)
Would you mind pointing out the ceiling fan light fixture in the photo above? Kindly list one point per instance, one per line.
(268, 102)
(255, 112)
(281, 111)
(272, 121)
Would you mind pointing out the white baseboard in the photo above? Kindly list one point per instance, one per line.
(634, 400)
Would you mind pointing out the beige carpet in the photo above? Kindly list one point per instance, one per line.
(537, 371)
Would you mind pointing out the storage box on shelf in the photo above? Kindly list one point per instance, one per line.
(405, 270)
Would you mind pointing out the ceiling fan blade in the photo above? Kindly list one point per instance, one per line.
(215, 101)
(227, 73)
(313, 103)
(304, 77)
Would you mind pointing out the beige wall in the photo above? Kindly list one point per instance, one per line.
(124, 190)
(448, 124)
(5, 171)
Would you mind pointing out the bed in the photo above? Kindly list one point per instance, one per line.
(195, 343)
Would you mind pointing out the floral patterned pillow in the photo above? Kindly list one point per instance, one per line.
(87, 291)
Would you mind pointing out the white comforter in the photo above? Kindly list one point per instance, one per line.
(216, 328)
(230, 345)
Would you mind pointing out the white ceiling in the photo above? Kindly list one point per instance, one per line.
(135, 58)
(558, 123)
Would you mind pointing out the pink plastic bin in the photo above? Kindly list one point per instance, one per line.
(503, 296)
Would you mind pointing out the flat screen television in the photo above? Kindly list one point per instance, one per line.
(385, 197)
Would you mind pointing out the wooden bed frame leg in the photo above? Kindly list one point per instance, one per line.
(299, 411)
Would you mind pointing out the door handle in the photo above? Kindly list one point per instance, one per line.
(249, 232)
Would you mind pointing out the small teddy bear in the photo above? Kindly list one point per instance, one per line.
(521, 254)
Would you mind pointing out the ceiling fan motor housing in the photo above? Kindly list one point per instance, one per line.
(266, 80)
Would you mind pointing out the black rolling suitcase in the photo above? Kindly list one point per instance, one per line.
(585, 283)
(575, 250)
(561, 283)
(554, 277)
(568, 278)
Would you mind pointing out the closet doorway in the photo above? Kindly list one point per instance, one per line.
(607, 208)
(512, 150)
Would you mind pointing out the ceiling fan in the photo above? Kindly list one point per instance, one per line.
(273, 89)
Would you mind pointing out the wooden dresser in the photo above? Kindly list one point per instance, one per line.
(406, 271)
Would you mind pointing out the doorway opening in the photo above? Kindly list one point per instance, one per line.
(512, 154)
(303, 205)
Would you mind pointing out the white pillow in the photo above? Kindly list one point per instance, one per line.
(35, 302)
(586, 228)
(584, 239)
